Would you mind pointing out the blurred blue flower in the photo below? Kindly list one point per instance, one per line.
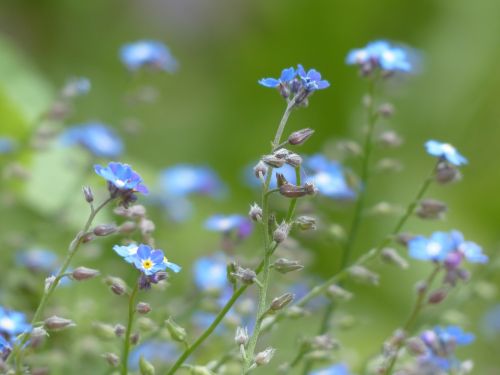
(5, 348)
(210, 272)
(382, 55)
(287, 75)
(185, 179)
(154, 351)
(445, 151)
(122, 177)
(37, 259)
(76, 86)
(127, 252)
(225, 224)
(97, 138)
(7, 145)
(435, 248)
(470, 250)
(311, 79)
(13, 323)
(328, 177)
(338, 369)
(149, 53)
(491, 322)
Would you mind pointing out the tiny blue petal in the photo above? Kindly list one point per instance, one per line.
(445, 151)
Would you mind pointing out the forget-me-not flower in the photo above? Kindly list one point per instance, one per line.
(7, 145)
(37, 259)
(122, 177)
(337, 369)
(445, 151)
(99, 139)
(146, 259)
(471, 251)
(381, 54)
(287, 75)
(13, 323)
(150, 53)
(210, 272)
(435, 248)
(127, 252)
(185, 179)
(311, 79)
(226, 224)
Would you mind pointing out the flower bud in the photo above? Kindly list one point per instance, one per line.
(134, 339)
(446, 173)
(112, 359)
(127, 227)
(273, 161)
(143, 308)
(437, 296)
(415, 346)
(364, 274)
(284, 265)
(241, 336)
(306, 223)
(386, 110)
(117, 285)
(87, 193)
(292, 191)
(145, 367)
(119, 330)
(391, 256)
(280, 302)
(294, 160)
(56, 323)
(310, 188)
(264, 357)
(84, 273)
(300, 137)
(87, 237)
(37, 336)
(260, 169)
(105, 229)
(245, 275)
(390, 139)
(324, 342)
(281, 233)
(255, 212)
(281, 153)
(137, 210)
(338, 293)
(177, 332)
(431, 209)
(147, 227)
(105, 331)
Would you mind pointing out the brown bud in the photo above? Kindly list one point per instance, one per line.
(437, 296)
(112, 359)
(431, 209)
(293, 160)
(105, 229)
(84, 273)
(56, 323)
(87, 193)
(292, 191)
(117, 285)
(255, 212)
(279, 302)
(281, 233)
(143, 308)
(300, 137)
(273, 161)
(446, 173)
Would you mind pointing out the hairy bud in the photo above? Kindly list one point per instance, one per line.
(241, 336)
(306, 223)
(105, 229)
(255, 212)
(87, 193)
(260, 169)
(431, 209)
(143, 308)
(391, 256)
(281, 233)
(177, 332)
(280, 302)
(56, 323)
(264, 357)
(84, 273)
(338, 293)
(273, 161)
(300, 137)
(117, 285)
(364, 274)
(284, 265)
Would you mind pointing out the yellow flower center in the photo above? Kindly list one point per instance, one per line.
(147, 264)
(165, 260)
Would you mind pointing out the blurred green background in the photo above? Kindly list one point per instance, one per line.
(213, 112)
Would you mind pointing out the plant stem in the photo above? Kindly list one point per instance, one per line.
(72, 250)
(128, 331)
(417, 308)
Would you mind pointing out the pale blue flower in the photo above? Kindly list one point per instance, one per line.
(99, 139)
(287, 75)
(328, 177)
(445, 151)
(13, 323)
(149, 53)
(185, 179)
(228, 223)
(338, 369)
(122, 177)
(210, 272)
(435, 248)
(311, 79)
(37, 259)
(383, 55)
(127, 252)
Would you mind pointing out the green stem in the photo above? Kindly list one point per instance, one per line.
(128, 331)
(417, 308)
(72, 250)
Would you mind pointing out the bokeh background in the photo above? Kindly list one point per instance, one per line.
(212, 112)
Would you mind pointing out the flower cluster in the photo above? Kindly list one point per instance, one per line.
(380, 55)
(97, 138)
(148, 53)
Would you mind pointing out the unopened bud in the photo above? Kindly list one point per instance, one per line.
(145, 367)
(391, 256)
(446, 173)
(127, 227)
(255, 212)
(87, 237)
(284, 265)
(56, 323)
(264, 357)
(143, 308)
(349, 147)
(241, 336)
(112, 359)
(146, 325)
(437, 296)
(336, 292)
(306, 223)
(390, 139)
(105, 229)
(177, 332)
(119, 330)
(134, 339)
(416, 346)
(147, 226)
(260, 169)
(404, 238)
(324, 342)
(37, 336)
(117, 285)
(310, 188)
(87, 193)
(421, 287)
(137, 210)
(364, 274)
(280, 302)
(273, 161)
(281, 233)
(105, 331)
(431, 209)
(84, 273)
(386, 110)
(245, 275)
(281, 153)
(294, 160)
(300, 137)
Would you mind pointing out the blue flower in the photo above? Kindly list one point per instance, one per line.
(97, 138)
(13, 323)
(328, 177)
(311, 79)
(148, 53)
(287, 75)
(454, 334)
(149, 261)
(37, 259)
(184, 179)
(225, 224)
(210, 272)
(154, 351)
(7, 145)
(491, 322)
(468, 249)
(445, 151)
(382, 55)
(435, 248)
(122, 177)
(5, 348)
(338, 369)
(127, 252)
(76, 86)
